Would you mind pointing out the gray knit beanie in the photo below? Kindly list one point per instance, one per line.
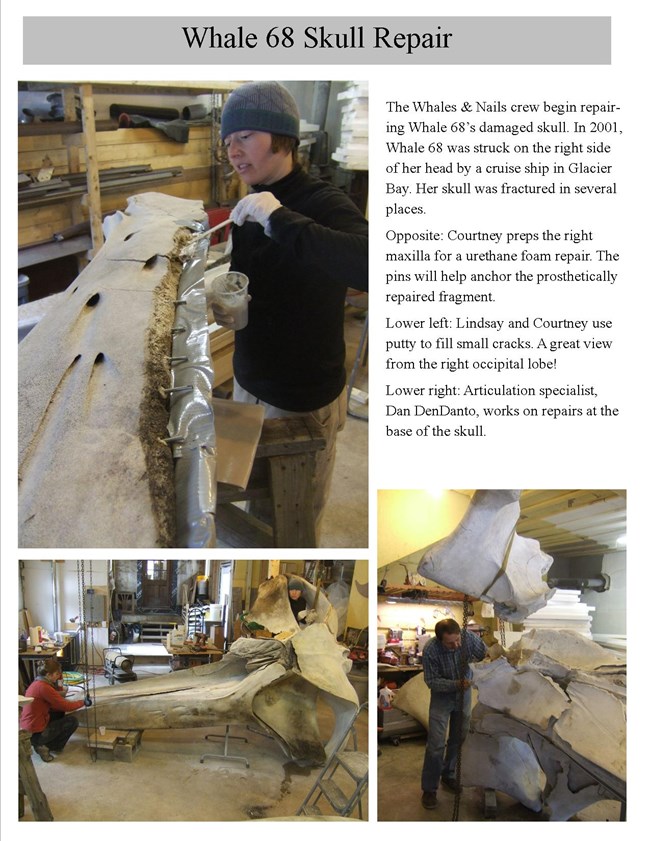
(261, 106)
(296, 584)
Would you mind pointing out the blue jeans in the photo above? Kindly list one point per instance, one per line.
(441, 753)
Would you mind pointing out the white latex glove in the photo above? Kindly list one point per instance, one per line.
(255, 208)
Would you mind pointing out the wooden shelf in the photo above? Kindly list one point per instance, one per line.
(49, 127)
(45, 251)
(183, 88)
(156, 631)
(416, 594)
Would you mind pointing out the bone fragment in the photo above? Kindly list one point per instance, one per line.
(485, 557)
(93, 470)
(274, 683)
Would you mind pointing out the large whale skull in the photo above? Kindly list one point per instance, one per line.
(274, 682)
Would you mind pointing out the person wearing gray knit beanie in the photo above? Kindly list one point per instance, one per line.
(261, 106)
(297, 600)
(301, 242)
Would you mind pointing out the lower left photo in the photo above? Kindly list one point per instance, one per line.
(207, 690)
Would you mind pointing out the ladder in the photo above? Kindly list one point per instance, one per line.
(193, 617)
(342, 782)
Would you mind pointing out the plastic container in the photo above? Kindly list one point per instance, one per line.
(214, 613)
(386, 696)
(177, 636)
(229, 291)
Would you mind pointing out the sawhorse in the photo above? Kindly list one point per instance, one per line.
(282, 473)
(28, 783)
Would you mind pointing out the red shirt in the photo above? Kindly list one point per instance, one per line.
(36, 716)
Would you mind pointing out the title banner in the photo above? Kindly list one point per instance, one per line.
(310, 40)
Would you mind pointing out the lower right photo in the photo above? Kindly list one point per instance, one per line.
(501, 648)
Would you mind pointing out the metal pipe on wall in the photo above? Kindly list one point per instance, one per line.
(56, 621)
(320, 103)
(249, 582)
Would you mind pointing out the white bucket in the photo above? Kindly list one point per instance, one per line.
(214, 613)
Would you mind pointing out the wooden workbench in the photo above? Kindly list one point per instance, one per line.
(29, 659)
(186, 656)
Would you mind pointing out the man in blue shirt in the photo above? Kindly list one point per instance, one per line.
(446, 672)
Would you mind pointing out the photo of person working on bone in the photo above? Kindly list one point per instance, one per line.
(301, 242)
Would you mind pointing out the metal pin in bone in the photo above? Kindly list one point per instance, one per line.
(180, 389)
(174, 439)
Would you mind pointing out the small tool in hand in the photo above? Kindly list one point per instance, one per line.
(188, 248)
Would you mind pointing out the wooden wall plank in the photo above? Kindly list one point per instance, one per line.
(39, 215)
(35, 144)
(33, 161)
(45, 227)
(40, 223)
(92, 166)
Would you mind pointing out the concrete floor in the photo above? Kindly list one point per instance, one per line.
(166, 780)
(399, 793)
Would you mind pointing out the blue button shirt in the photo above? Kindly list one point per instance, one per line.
(442, 667)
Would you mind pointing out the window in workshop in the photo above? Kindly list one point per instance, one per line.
(156, 570)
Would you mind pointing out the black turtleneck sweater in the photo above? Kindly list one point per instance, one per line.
(292, 353)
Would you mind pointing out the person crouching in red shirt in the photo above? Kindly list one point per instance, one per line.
(45, 717)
